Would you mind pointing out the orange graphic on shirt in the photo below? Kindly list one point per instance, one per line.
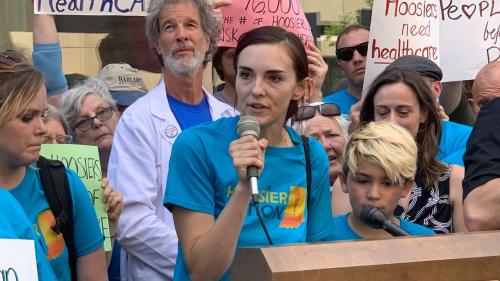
(54, 241)
(294, 212)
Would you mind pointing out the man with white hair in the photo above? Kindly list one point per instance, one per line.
(183, 35)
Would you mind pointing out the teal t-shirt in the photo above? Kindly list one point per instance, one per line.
(343, 99)
(202, 178)
(454, 138)
(87, 233)
(342, 230)
(15, 225)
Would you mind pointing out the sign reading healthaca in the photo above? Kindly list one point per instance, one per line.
(92, 7)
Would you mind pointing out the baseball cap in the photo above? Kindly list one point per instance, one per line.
(422, 65)
(124, 82)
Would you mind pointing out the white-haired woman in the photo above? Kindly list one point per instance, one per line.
(324, 122)
(92, 115)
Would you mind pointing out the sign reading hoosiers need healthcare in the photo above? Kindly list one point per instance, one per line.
(243, 15)
(461, 36)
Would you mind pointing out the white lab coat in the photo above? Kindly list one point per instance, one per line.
(138, 168)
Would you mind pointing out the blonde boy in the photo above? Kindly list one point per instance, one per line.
(378, 169)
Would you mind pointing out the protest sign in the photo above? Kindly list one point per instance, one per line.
(92, 7)
(460, 36)
(17, 260)
(243, 15)
(84, 160)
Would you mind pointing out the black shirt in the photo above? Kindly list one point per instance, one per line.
(482, 156)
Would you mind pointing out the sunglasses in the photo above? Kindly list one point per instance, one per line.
(347, 53)
(102, 115)
(10, 58)
(308, 111)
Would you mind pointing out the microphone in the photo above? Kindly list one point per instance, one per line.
(377, 219)
(248, 125)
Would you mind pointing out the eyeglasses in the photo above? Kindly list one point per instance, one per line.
(308, 111)
(61, 139)
(10, 58)
(102, 115)
(347, 53)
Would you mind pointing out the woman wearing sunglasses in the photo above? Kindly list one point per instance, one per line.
(324, 122)
(207, 188)
(402, 97)
(23, 103)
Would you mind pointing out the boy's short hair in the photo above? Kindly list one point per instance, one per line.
(386, 145)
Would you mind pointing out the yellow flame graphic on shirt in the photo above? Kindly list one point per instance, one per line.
(54, 241)
(294, 212)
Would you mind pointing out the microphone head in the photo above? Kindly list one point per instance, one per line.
(248, 125)
(373, 216)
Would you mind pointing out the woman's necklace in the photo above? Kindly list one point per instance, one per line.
(284, 138)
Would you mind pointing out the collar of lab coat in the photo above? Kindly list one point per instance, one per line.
(161, 109)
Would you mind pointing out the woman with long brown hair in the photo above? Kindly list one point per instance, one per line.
(402, 97)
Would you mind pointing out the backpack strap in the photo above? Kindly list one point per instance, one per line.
(305, 143)
(56, 188)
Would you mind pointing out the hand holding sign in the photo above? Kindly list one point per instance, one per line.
(244, 15)
(113, 202)
(318, 69)
(84, 160)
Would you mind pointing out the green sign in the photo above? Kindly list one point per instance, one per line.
(84, 160)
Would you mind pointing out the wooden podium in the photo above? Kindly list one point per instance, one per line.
(474, 256)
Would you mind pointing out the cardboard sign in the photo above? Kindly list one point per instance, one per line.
(17, 260)
(92, 7)
(84, 160)
(244, 15)
(460, 36)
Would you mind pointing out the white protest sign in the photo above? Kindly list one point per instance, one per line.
(469, 37)
(17, 260)
(92, 7)
(460, 36)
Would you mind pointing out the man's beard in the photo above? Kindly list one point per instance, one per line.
(184, 66)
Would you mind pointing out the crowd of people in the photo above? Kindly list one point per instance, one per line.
(175, 169)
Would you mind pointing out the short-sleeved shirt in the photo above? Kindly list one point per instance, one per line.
(454, 138)
(482, 157)
(15, 225)
(188, 115)
(343, 99)
(202, 178)
(343, 231)
(87, 233)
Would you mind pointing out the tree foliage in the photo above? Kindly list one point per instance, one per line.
(337, 26)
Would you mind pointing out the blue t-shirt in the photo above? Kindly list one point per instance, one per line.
(15, 225)
(454, 138)
(202, 178)
(48, 59)
(343, 99)
(342, 230)
(87, 233)
(189, 115)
